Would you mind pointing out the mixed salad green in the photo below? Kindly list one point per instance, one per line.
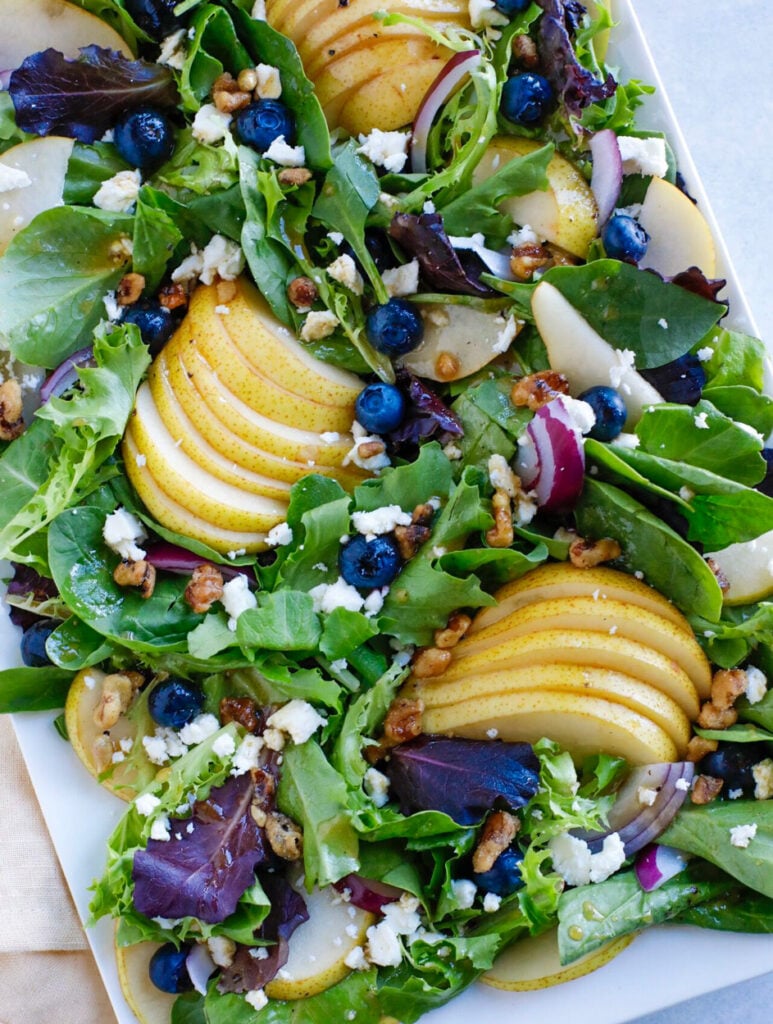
(190, 863)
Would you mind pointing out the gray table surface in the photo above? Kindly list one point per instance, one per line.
(715, 61)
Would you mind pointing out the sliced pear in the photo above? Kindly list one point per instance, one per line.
(577, 647)
(533, 963)
(748, 568)
(562, 579)
(565, 214)
(148, 1004)
(467, 335)
(608, 685)
(364, 35)
(44, 161)
(320, 946)
(611, 617)
(581, 724)
(679, 234)
(27, 26)
(391, 99)
(566, 333)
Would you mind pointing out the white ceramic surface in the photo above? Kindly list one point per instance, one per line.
(663, 966)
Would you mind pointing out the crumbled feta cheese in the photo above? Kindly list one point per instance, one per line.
(247, 755)
(159, 830)
(377, 786)
(319, 324)
(330, 437)
(763, 779)
(155, 749)
(628, 440)
(119, 193)
(344, 270)
(146, 803)
(224, 746)
(258, 12)
(173, 50)
(464, 892)
(580, 413)
(735, 794)
(756, 685)
(492, 733)
(258, 953)
(643, 156)
(279, 535)
(355, 959)
(274, 739)
(403, 915)
(372, 462)
(682, 784)
(704, 354)
(113, 310)
(476, 241)
(700, 421)
(525, 235)
(374, 602)
(385, 149)
(491, 902)
(380, 520)
(686, 493)
(384, 947)
(298, 719)
(221, 258)
(505, 337)
(502, 477)
(269, 85)
(483, 14)
(13, 177)
(336, 237)
(222, 950)
(453, 452)
(329, 596)
(403, 280)
(624, 364)
(646, 796)
(210, 125)
(121, 531)
(285, 155)
(200, 729)
(663, 323)
(573, 860)
(742, 835)
(387, 200)
(222, 310)
(237, 598)
(257, 998)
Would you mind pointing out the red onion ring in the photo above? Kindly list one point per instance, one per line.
(607, 176)
(66, 373)
(449, 77)
(172, 558)
(368, 894)
(656, 865)
(555, 466)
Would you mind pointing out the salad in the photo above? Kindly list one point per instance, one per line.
(387, 497)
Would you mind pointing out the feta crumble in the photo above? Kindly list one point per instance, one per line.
(121, 531)
(279, 536)
(573, 860)
(285, 155)
(12, 178)
(210, 125)
(200, 729)
(119, 193)
(298, 719)
(625, 363)
(491, 902)
(146, 803)
(643, 156)
(483, 14)
(247, 755)
(377, 786)
(159, 830)
(700, 421)
(355, 959)
(756, 685)
(222, 950)
(384, 947)
(344, 270)
(173, 50)
(329, 596)
(224, 746)
(403, 280)
(464, 892)
(505, 337)
(704, 354)
(742, 835)
(763, 779)
(380, 520)
(237, 598)
(319, 324)
(269, 85)
(385, 149)
(257, 999)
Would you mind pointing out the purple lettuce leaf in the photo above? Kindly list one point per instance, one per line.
(27, 583)
(423, 236)
(694, 280)
(576, 87)
(288, 912)
(205, 871)
(463, 778)
(427, 414)
(83, 98)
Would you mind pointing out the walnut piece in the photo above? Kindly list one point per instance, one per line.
(722, 580)
(294, 176)
(498, 832)
(118, 689)
(130, 288)
(242, 710)
(205, 587)
(173, 296)
(430, 662)
(11, 421)
(501, 534)
(524, 50)
(410, 539)
(585, 553)
(727, 685)
(455, 629)
(403, 720)
(284, 837)
(302, 292)
(698, 747)
(527, 258)
(705, 788)
(140, 574)
(712, 717)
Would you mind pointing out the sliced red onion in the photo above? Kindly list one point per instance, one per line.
(368, 894)
(658, 864)
(497, 262)
(450, 76)
(638, 822)
(172, 558)
(66, 373)
(607, 174)
(200, 966)
(555, 468)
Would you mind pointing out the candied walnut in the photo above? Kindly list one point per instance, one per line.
(722, 580)
(705, 788)
(102, 751)
(247, 80)
(173, 296)
(538, 389)
(284, 837)
(130, 288)
(410, 539)
(230, 102)
(225, 82)
(498, 832)
(560, 257)
(526, 258)
(403, 720)
(712, 717)
(369, 449)
(302, 292)
(457, 626)
(501, 534)
(430, 662)
(263, 797)
(698, 747)
(727, 685)
(447, 366)
(423, 514)
(140, 574)
(226, 290)
(586, 553)
(117, 691)
(205, 587)
(11, 421)
(524, 50)
(294, 176)
(242, 710)
(258, 815)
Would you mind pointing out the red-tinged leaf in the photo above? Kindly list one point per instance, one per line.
(205, 871)
(83, 98)
(424, 237)
(575, 85)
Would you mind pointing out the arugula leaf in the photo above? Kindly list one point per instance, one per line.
(33, 689)
(53, 277)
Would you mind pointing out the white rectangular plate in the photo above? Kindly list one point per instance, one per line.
(663, 966)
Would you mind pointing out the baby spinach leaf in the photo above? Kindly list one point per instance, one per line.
(718, 520)
(213, 47)
(636, 310)
(493, 566)
(740, 910)
(761, 713)
(743, 404)
(53, 277)
(737, 359)
(738, 733)
(283, 621)
(33, 689)
(73, 645)
(87, 169)
(669, 563)
(156, 236)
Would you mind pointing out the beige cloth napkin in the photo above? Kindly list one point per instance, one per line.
(46, 971)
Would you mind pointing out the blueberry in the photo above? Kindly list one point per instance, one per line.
(525, 98)
(394, 328)
(505, 876)
(155, 17)
(610, 411)
(733, 762)
(624, 238)
(144, 138)
(680, 381)
(264, 121)
(511, 6)
(175, 702)
(369, 563)
(168, 971)
(33, 642)
(380, 408)
(155, 323)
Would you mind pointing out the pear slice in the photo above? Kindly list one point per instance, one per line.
(148, 1004)
(581, 724)
(532, 963)
(468, 336)
(567, 335)
(680, 237)
(391, 99)
(44, 161)
(562, 579)
(363, 35)
(27, 26)
(747, 567)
